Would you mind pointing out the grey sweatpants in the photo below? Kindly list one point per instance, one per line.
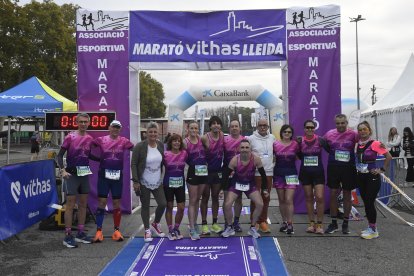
(145, 204)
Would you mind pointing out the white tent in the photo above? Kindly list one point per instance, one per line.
(396, 108)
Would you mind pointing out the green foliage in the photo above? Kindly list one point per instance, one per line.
(152, 97)
(39, 39)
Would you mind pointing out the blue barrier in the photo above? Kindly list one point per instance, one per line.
(386, 189)
(26, 192)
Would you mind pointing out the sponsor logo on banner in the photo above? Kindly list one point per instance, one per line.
(191, 252)
(175, 117)
(34, 188)
(224, 93)
(17, 97)
(15, 190)
(225, 35)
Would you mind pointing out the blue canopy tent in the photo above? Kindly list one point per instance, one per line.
(31, 98)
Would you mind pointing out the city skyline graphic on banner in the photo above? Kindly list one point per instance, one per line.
(239, 26)
(312, 19)
(98, 20)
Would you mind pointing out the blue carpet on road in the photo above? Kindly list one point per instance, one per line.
(212, 256)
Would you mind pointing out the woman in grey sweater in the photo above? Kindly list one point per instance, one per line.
(146, 169)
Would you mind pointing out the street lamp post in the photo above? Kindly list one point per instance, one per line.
(235, 108)
(356, 20)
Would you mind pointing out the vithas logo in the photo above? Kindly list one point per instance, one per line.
(15, 190)
(34, 188)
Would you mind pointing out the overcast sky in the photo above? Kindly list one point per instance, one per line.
(385, 38)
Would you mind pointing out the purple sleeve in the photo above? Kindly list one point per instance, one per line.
(66, 142)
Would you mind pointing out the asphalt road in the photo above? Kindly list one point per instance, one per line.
(36, 252)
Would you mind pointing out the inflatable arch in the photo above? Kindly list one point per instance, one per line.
(225, 93)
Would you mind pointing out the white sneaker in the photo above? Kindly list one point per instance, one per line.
(228, 232)
(147, 236)
(253, 232)
(369, 234)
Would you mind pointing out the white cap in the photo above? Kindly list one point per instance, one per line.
(116, 123)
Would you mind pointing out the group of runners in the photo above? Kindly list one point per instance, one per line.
(225, 165)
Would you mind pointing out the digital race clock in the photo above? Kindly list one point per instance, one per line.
(62, 121)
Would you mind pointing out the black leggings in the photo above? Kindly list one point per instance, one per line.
(369, 186)
(410, 170)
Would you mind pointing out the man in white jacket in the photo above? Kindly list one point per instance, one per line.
(261, 142)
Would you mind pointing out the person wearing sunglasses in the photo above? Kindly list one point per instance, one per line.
(261, 142)
(110, 149)
(368, 175)
(341, 172)
(312, 175)
(285, 175)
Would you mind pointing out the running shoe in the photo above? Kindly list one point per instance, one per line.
(289, 230)
(253, 232)
(345, 228)
(156, 229)
(117, 236)
(147, 235)
(194, 235)
(171, 235)
(83, 238)
(332, 228)
(283, 228)
(368, 229)
(197, 228)
(311, 228)
(205, 230)
(216, 228)
(319, 229)
(370, 234)
(98, 236)
(237, 227)
(264, 227)
(178, 233)
(228, 232)
(70, 242)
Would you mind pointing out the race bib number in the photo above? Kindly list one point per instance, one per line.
(175, 182)
(112, 174)
(201, 170)
(310, 161)
(362, 168)
(242, 187)
(292, 180)
(83, 170)
(342, 156)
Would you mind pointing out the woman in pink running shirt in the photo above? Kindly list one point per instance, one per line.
(285, 175)
(369, 175)
(174, 162)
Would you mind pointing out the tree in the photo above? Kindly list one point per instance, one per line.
(38, 39)
(151, 96)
